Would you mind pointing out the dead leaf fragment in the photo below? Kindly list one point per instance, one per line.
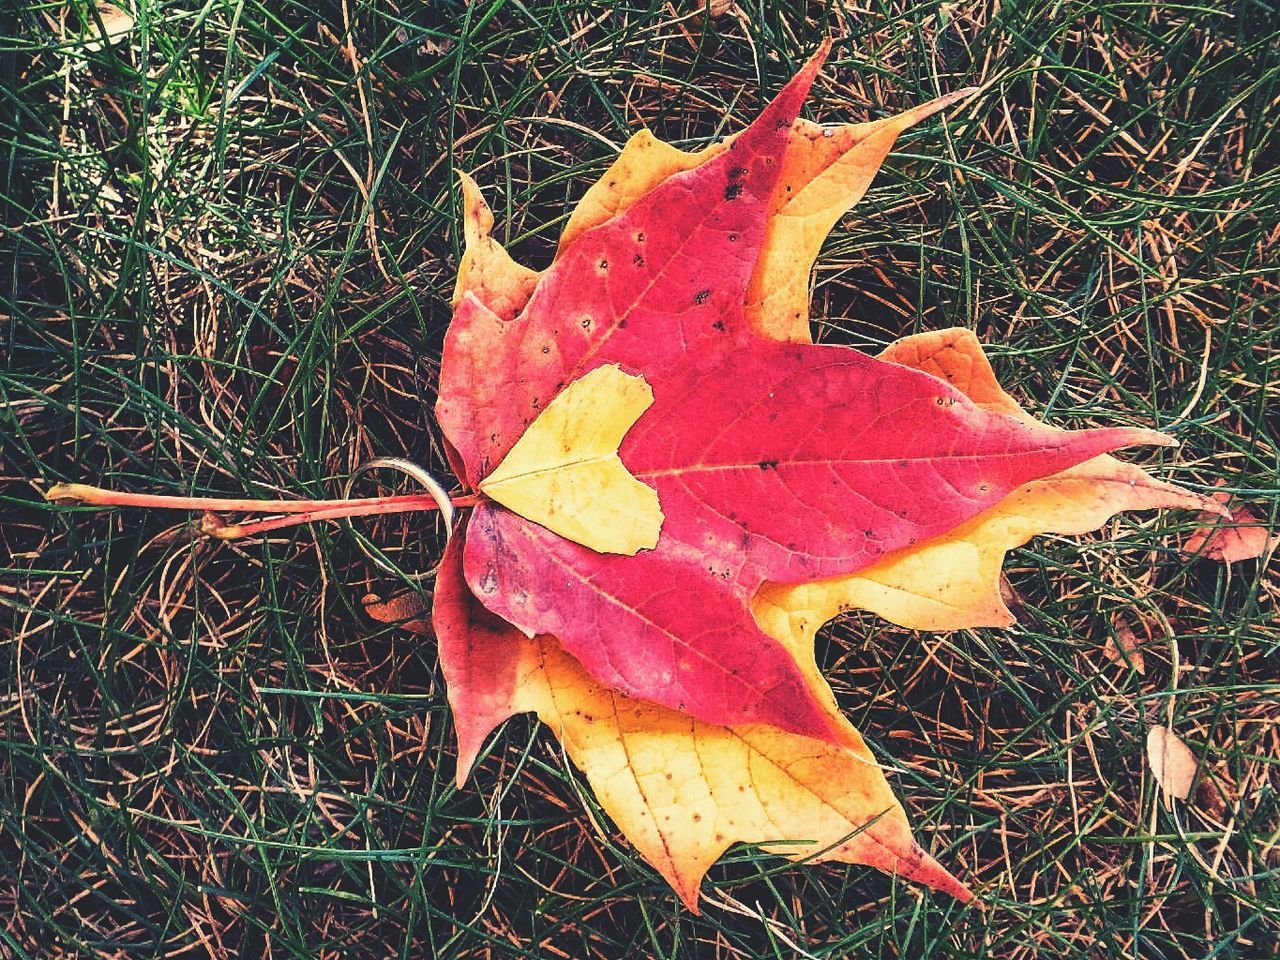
(1125, 648)
(408, 609)
(116, 23)
(1243, 536)
(1172, 763)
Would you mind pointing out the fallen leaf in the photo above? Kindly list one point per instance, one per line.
(1124, 647)
(116, 24)
(488, 680)
(1241, 535)
(886, 457)
(1172, 763)
(406, 610)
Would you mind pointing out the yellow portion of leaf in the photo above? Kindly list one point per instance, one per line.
(565, 474)
(825, 172)
(683, 791)
(487, 270)
(645, 161)
(953, 582)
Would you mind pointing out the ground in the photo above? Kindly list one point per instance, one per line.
(229, 240)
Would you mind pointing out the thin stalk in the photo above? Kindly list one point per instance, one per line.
(101, 497)
(295, 511)
(341, 509)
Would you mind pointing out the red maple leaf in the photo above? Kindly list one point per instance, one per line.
(787, 481)
(771, 461)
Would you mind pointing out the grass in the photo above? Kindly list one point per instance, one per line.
(228, 248)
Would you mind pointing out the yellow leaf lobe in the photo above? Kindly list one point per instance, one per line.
(683, 791)
(565, 474)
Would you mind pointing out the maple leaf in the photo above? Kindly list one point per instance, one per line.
(772, 461)
(689, 488)
(492, 671)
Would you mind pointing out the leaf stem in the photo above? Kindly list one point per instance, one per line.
(295, 511)
(341, 509)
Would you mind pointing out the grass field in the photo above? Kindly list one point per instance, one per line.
(228, 246)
